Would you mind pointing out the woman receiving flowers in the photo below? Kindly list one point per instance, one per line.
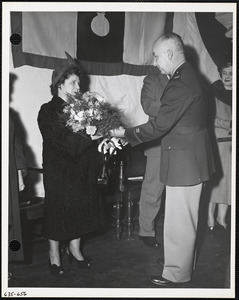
(70, 167)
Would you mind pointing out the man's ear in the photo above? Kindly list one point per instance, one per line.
(170, 54)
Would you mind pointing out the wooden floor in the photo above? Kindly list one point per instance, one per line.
(125, 263)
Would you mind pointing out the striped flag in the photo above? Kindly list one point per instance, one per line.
(114, 43)
(47, 35)
(115, 48)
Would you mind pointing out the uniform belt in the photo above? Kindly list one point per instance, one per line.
(224, 139)
(187, 129)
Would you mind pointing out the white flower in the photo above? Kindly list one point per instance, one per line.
(69, 122)
(97, 104)
(76, 127)
(98, 117)
(72, 112)
(65, 110)
(99, 97)
(90, 112)
(91, 130)
(97, 114)
(86, 96)
(79, 116)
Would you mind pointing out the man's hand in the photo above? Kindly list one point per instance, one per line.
(119, 132)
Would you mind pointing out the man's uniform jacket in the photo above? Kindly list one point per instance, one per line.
(181, 122)
(151, 94)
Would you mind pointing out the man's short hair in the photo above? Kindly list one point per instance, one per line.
(179, 45)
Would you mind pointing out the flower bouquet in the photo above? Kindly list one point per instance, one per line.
(89, 112)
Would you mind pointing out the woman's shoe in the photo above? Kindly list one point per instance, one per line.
(55, 270)
(82, 264)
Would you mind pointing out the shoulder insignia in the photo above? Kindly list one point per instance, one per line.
(177, 75)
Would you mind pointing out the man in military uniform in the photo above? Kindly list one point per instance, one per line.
(152, 188)
(186, 160)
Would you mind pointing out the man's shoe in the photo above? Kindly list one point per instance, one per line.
(159, 280)
(150, 241)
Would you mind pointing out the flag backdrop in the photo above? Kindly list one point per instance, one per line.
(113, 44)
(115, 49)
(47, 35)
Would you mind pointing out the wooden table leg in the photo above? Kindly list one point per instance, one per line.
(118, 217)
(129, 213)
(119, 200)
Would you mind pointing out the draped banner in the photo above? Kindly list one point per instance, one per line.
(115, 48)
(128, 44)
(46, 33)
(185, 24)
(115, 43)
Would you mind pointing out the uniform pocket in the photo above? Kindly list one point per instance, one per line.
(178, 142)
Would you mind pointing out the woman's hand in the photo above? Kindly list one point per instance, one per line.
(95, 137)
(21, 185)
(119, 132)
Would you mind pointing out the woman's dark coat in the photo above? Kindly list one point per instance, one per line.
(70, 168)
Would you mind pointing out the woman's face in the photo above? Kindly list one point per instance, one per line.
(71, 85)
(227, 77)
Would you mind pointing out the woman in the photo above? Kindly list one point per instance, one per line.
(70, 168)
(221, 185)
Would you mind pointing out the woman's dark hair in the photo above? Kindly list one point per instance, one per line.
(224, 65)
(70, 71)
